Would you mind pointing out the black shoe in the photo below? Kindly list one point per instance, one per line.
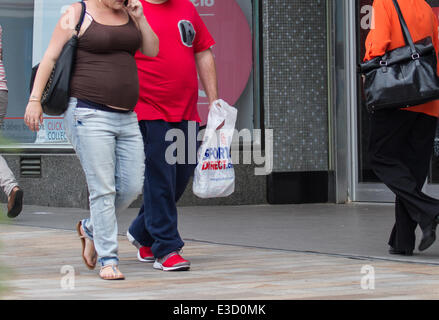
(428, 236)
(401, 252)
(15, 202)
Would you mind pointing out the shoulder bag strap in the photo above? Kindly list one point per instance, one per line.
(81, 19)
(405, 30)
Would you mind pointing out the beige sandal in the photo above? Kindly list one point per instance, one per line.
(83, 242)
(114, 275)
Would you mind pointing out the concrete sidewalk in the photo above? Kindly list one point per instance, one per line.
(237, 252)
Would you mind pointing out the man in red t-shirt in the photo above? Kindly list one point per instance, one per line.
(168, 100)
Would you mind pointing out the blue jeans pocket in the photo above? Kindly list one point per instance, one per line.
(81, 114)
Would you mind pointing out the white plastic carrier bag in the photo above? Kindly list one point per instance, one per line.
(214, 175)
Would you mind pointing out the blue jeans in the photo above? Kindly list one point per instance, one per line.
(110, 148)
(164, 184)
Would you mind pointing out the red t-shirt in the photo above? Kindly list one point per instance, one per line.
(169, 82)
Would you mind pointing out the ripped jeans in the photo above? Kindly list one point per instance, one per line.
(110, 148)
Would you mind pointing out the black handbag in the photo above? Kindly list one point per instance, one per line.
(56, 94)
(403, 77)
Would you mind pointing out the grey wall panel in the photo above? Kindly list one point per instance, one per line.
(296, 83)
(249, 189)
(62, 184)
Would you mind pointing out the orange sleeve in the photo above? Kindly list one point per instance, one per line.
(378, 38)
(436, 36)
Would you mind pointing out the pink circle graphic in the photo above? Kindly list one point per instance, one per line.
(233, 50)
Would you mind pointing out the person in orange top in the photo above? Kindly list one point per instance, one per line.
(401, 140)
(387, 34)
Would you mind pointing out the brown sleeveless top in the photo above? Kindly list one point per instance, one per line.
(105, 70)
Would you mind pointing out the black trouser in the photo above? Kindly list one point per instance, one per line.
(400, 149)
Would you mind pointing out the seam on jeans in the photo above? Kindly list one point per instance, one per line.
(124, 177)
(87, 232)
(119, 171)
(67, 124)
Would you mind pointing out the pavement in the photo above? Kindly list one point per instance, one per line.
(357, 230)
(246, 242)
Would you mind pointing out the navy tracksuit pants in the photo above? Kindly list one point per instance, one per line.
(165, 182)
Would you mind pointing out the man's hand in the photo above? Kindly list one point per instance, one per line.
(219, 106)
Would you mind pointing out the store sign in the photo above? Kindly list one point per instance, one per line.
(52, 131)
(233, 50)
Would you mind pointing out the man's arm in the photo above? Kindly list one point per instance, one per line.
(207, 71)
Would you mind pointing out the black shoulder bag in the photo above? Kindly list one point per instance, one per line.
(55, 96)
(403, 77)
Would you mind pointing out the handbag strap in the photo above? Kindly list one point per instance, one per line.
(81, 19)
(405, 30)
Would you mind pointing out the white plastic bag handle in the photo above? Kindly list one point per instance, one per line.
(220, 112)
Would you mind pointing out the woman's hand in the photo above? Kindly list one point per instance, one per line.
(33, 116)
(135, 9)
(150, 41)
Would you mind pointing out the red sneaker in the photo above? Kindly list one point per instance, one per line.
(172, 262)
(144, 254)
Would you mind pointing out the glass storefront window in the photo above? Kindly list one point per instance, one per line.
(28, 26)
(17, 19)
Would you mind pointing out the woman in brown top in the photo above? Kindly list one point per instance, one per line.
(100, 122)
